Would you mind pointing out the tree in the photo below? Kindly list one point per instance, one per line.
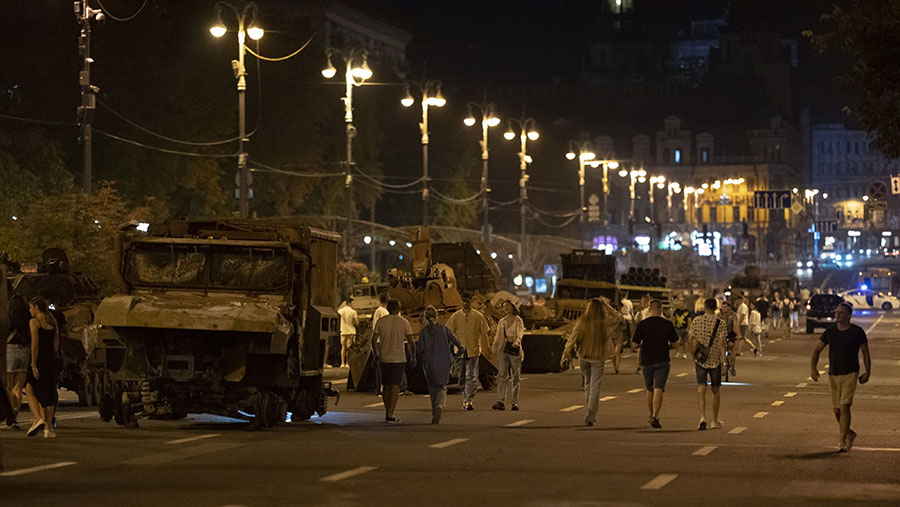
(868, 34)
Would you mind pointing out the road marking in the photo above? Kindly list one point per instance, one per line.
(737, 430)
(790, 395)
(681, 375)
(448, 443)
(760, 415)
(636, 390)
(704, 451)
(570, 409)
(607, 398)
(660, 481)
(24, 471)
(373, 405)
(192, 439)
(869, 331)
(523, 422)
(898, 363)
(346, 475)
(803, 384)
(778, 403)
(183, 453)
(882, 449)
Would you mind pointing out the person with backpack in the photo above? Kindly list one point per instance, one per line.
(707, 344)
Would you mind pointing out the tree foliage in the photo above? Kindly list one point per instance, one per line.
(868, 34)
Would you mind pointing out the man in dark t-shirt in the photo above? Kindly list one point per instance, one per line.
(844, 341)
(654, 335)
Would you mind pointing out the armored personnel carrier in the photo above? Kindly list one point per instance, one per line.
(226, 317)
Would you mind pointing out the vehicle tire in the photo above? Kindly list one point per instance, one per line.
(810, 329)
(86, 392)
(886, 306)
(267, 411)
(97, 384)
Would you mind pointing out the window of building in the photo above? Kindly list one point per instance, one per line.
(704, 155)
(677, 156)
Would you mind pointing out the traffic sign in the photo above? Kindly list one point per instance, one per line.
(895, 184)
(878, 190)
(772, 199)
(549, 270)
(826, 226)
(797, 208)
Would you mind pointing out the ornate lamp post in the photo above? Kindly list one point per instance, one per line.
(527, 131)
(489, 119)
(430, 90)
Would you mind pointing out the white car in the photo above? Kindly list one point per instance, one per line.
(870, 299)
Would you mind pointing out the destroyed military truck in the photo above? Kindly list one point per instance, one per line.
(226, 317)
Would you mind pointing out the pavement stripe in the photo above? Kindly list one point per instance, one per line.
(659, 481)
(607, 398)
(448, 443)
(636, 390)
(704, 451)
(778, 403)
(737, 430)
(802, 384)
(881, 449)
(193, 439)
(760, 415)
(523, 422)
(183, 453)
(24, 471)
(372, 405)
(790, 395)
(570, 409)
(346, 475)
(869, 331)
(681, 375)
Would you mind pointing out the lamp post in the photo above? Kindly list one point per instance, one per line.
(487, 111)
(526, 131)
(585, 154)
(243, 12)
(353, 76)
(635, 176)
(430, 91)
(660, 183)
(673, 188)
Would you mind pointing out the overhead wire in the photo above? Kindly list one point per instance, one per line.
(32, 120)
(116, 18)
(387, 190)
(387, 185)
(279, 59)
(170, 139)
(565, 214)
(165, 150)
(555, 226)
(452, 200)
(268, 168)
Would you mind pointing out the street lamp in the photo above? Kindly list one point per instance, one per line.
(673, 188)
(527, 131)
(585, 153)
(660, 183)
(245, 13)
(635, 176)
(430, 90)
(487, 111)
(356, 72)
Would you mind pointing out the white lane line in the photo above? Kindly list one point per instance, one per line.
(193, 439)
(790, 395)
(681, 375)
(607, 398)
(704, 451)
(659, 481)
(868, 331)
(760, 415)
(523, 422)
(778, 403)
(882, 449)
(179, 454)
(737, 430)
(448, 443)
(24, 471)
(636, 390)
(803, 384)
(570, 409)
(372, 405)
(346, 475)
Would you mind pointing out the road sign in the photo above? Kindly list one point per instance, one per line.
(797, 208)
(878, 190)
(237, 178)
(549, 270)
(772, 199)
(826, 226)
(895, 184)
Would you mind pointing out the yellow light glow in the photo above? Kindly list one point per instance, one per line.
(329, 71)
(588, 155)
(642, 179)
(255, 32)
(509, 135)
(493, 121)
(533, 135)
(613, 165)
(408, 100)
(570, 155)
(469, 121)
(623, 173)
(218, 30)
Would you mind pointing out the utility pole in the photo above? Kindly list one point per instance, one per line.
(85, 111)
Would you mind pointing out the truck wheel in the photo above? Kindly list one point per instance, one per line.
(86, 392)
(97, 385)
(886, 306)
(267, 411)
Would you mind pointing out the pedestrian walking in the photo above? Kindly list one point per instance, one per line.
(844, 341)
(786, 316)
(379, 312)
(681, 318)
(591, 341)
(655, 335)
(437, 347)
(18, 354)
(708, 332)
(471, 329)
(507, 346)
(42, 377)
(756, 330)
(742, 325)
(776, 311)
(349, 321)
(393, 339)
(795, 313)
(641, 315)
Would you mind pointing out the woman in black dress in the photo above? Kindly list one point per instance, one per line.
(41, 384)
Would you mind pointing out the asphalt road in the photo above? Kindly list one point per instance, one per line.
(778, 447)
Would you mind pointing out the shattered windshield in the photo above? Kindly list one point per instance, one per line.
(208, 266)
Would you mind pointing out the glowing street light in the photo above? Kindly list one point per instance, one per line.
(489, 119)
(527, 131)
(430, 91)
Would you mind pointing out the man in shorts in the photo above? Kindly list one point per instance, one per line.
(392, 336)
(844, 341)
(654, 335)
(709, 330)
(681, 317)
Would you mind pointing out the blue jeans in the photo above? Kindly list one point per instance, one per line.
(592, 373)
(510, 369)
(468, 378)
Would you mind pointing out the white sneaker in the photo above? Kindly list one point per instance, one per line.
(36, 427)
(49, 432)
(716, 424)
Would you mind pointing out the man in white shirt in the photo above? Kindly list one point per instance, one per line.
(379, 312)
(349, 321)
(393, 338)
(742, 321)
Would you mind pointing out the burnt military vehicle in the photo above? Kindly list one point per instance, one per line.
(226, 317)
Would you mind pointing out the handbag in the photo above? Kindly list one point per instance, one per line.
(509, 347)
(701, 352)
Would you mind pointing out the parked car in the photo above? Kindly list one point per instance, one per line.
(820, 311)
(870, 299)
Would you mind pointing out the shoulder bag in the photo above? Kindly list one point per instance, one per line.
(701, 352)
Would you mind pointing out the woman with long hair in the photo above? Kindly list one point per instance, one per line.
(507, 346)
(593, 340)
(436, 345)
(41, 381)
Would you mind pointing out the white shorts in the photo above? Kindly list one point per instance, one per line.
(17, 358)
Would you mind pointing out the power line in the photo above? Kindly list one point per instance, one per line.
(267, 168)
(32, 120)
(386, 185)
(129, 18)
(451, 200)
(164, 150)
(279, 59)
(170, 139)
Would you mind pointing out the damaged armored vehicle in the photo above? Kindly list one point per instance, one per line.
(226, 317)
